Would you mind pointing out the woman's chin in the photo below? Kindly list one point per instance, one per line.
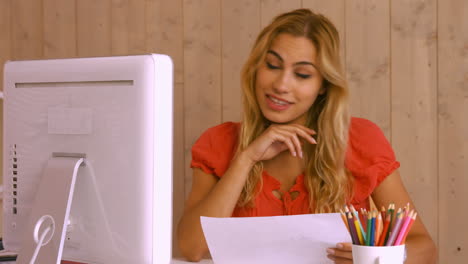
(282, 120)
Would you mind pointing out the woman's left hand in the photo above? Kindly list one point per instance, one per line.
(341, 254)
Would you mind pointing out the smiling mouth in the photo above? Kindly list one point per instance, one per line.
(278, 101)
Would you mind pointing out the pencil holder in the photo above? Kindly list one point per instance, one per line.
(378, 255)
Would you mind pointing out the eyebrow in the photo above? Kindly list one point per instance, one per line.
(274, 53)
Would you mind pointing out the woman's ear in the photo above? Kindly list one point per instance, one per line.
(322, 90)
(324, 87)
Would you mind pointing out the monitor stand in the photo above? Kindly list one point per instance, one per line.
(50, 211)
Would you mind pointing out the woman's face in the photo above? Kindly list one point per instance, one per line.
(288, 81)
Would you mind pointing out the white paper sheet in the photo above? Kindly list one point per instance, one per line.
(297, 239)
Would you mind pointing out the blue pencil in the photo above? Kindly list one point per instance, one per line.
(372, 230)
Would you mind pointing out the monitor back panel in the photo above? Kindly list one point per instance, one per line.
(105, 108)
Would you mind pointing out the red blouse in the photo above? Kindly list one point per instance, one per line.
(369, 158)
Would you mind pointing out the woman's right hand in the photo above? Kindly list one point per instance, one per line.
(278, 138)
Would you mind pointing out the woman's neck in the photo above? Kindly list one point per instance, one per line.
(285, 167)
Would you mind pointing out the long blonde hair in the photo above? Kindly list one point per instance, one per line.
(327, 180)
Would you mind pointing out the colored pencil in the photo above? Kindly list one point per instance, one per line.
(391, 209)
(378, 229)
(385, 230)
(364, 220)
(358, 230)
(409, 227)
(356, 214)
(407, 209)
(369, 230)
(345, 221)
(382, 212)
(403, 228)
(395, 230)
(372, 229)
(352, 229)
(346, 208)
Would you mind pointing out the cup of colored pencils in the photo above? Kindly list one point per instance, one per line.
(378, 234)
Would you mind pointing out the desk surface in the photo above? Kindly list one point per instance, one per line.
(174, 261)
(179, 261)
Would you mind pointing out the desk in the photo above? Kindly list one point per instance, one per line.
(179, 261)
(174, 261)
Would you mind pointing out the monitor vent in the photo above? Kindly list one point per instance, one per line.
(14, 177)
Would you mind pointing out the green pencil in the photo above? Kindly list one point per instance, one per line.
(369, 225)
(391, 209)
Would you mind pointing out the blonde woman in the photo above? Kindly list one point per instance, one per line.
(296, 151)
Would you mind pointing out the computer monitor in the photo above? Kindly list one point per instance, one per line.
(117, 113)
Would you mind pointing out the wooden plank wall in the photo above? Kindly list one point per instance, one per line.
(452, 140)
(406, 62)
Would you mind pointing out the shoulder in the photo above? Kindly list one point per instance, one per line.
(367, 136)
(360, 127)
(224, 130)
(214, 149)
(370, 157)
(219, 138)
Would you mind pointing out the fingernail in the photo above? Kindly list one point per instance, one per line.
(330, 251)
(300, 154)
(339, 245)
(294, 154)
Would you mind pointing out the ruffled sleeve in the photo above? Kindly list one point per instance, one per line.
(213, 151)
(370, 158)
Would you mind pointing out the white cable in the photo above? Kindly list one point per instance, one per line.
(39, 245)
(40, 241)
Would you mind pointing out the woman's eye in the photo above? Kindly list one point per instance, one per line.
(303, 76)
(271, 66)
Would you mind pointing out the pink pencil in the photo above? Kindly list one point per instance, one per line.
(403, 229)
(409, 227)
(395, 230)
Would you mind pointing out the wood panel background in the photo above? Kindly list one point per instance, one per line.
(406, 62)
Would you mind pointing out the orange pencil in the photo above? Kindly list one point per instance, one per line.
(343, 217)
(385, 230)
(378, 229)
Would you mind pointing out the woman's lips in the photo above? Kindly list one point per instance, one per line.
(277, 104)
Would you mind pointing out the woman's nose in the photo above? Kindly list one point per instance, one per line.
(282, 83)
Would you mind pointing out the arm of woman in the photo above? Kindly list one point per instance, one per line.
(210, 196)
(419, 246)
(215, 197)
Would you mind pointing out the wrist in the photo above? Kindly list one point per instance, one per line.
(244, 159)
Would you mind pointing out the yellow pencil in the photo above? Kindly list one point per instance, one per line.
(359, 231)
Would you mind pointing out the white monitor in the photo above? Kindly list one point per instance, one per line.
(117, 111)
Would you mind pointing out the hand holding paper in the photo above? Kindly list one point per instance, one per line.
(277, 239)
